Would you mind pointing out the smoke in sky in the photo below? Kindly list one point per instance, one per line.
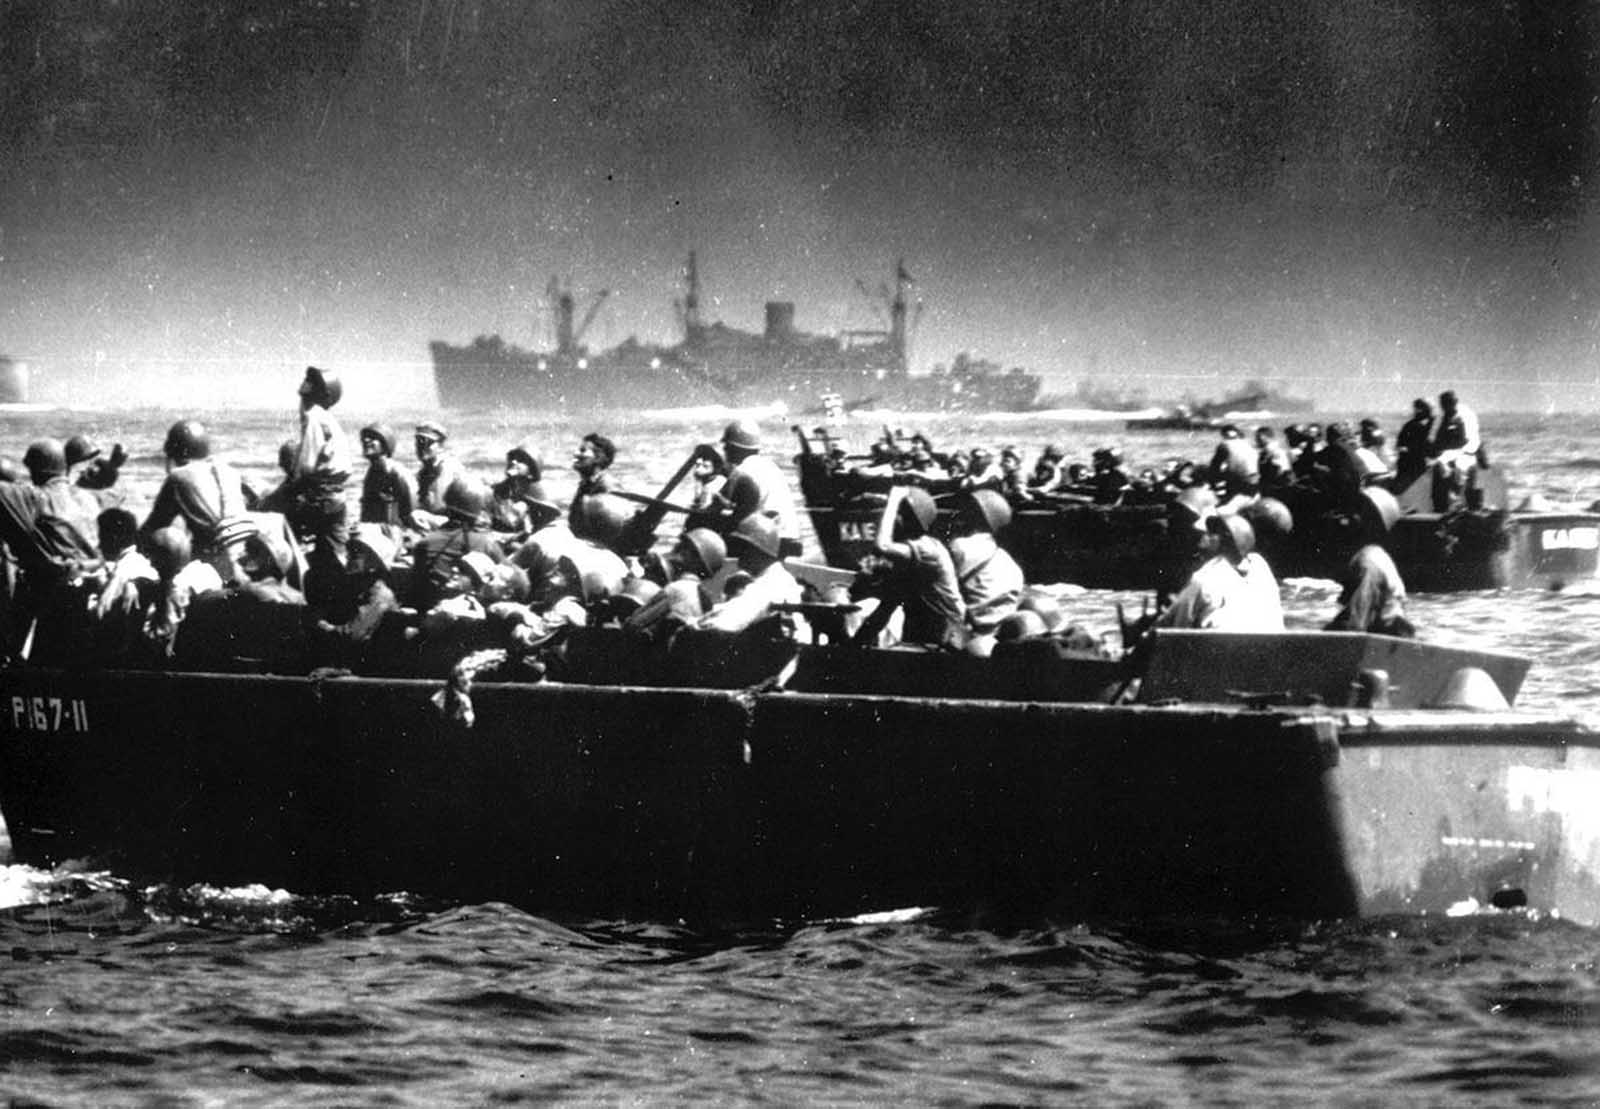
(1170, 196)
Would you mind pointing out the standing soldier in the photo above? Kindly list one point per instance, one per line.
(322, 460)
(754, 480)
(1412, 445)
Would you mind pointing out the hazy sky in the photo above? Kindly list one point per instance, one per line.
(1363, 199)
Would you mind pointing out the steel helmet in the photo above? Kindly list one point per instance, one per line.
(991, 507)
(168, 550)
(466, 498)
(186, 441)
(383, 435)
(634, 594)
(919, 502)
(1045, 606)
(322, 386)
(760, 532)
(599, 518)
(45, 459)
(527, 452)
(742, 435)
(542, 512)
(1269, 516)
(1196, 504)
(1021, 624)
(1238, 538)
(708, 547)
(1379, 510)
(80, 448)
(372, 543)
(594, 578)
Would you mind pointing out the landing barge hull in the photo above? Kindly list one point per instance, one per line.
(726, 806)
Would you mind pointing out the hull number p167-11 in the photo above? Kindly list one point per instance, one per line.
(49, 714)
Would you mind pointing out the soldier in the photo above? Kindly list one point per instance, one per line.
(991, 582)
(466, 528)
(697, 557)
(387, 496)
(758, 547)
(206, 494)
(1373, 597)
(322, 461)
(514, 511)
(1235, 590)
(923, 574)
(1235, 465)
(1413, 444)
(755, 480)
(439, 470)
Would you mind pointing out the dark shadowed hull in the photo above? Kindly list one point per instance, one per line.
(732, 806)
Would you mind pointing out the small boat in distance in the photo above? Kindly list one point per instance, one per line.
(1254, 399)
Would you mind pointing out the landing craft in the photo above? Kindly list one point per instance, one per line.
(1304, 774)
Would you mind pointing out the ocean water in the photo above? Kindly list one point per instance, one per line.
(117, 994)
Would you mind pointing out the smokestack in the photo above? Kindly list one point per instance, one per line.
(780, 320)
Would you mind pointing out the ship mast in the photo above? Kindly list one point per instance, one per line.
(691, 303)
(565, 308)
(897, 316)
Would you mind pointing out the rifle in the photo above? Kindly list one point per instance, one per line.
(640, 533)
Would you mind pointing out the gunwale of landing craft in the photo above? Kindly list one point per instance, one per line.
(480, 648)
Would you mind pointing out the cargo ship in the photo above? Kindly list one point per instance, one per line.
(716, 364)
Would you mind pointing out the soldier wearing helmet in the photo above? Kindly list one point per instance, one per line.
(1456, 442)
(770, 495)
(1050, 471)
(1273, 464)
(991, 582)
(1372, 596)
(89, 467)
(1110, 482)
(439, 470)
(52, 555)
(756, 543)
(1235, 465)
(1013, 482)
(982, 472)
(321, 461)
(46, 462)
(1235, 590)
(520, 506)
(206, 493)
(181, 577)
(437, 555)
(1413, 444)
(922, 574)
(388, 499)
(697, 557)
